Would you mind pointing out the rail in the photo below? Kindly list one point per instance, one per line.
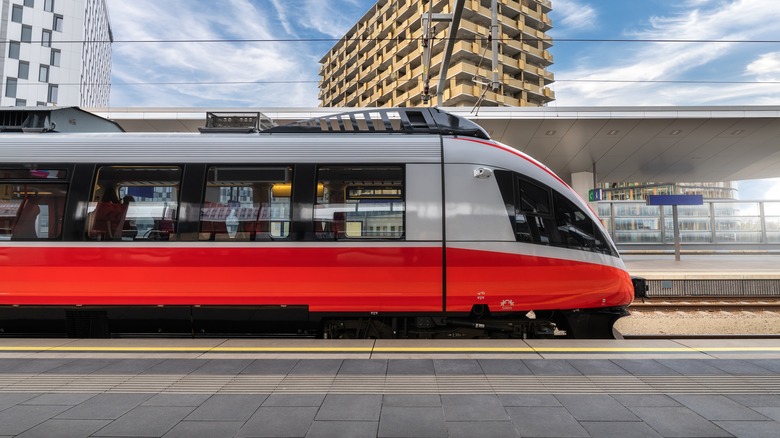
(695, 305)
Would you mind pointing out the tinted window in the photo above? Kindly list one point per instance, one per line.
(24, 70)
(574, 225)
(26, 34)
(134, 203)
(534, 199)
(576, 228)
(533, 218)
(31, 211)
(57, 24)
(247, 203)
(16, 13)
(14, 49)
(359, 202)
(46, 39)
(33, 174)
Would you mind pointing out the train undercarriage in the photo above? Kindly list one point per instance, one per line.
(586, 324)
(297, 321)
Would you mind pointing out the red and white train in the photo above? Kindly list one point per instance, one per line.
(383, 223)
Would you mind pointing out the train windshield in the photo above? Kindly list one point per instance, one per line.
(541, 215)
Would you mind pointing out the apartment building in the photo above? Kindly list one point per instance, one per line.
(379, 61)
(55, 52)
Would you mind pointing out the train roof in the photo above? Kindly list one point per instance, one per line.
(369, 121)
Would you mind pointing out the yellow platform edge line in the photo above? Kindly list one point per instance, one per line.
(392, 349)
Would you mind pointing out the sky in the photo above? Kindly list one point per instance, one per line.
(152, 67)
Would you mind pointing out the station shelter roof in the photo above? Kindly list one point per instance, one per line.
(622, 144)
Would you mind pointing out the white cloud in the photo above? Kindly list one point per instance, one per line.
(574, 15)
(327, 17)
(759, 189)
(766, 67)
(281, 13)
(210, 64)
(695, 20)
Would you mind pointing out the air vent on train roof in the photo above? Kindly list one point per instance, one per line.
(390, 120)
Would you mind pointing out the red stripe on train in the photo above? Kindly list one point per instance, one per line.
(332, 279)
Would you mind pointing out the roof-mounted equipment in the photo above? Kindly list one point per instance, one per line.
(236, 123)
(388, 120)
(53, 119)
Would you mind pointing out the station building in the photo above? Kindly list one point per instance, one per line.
(56, 52)
(377, 63)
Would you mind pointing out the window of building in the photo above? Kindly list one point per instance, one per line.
(55, 57)
(34, 209)
(43, 73)
(46, 38)
(16, 13)
(24, 70)
(58, 23)
(359, 202)
(48, 5)
(26, 33)
(39, 103)
(14, 48)
(21, 102)
(10, 87)
(247, 203)
(29, 3)
(134, 203)
(53, 93)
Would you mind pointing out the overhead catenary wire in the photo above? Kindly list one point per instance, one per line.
(305, 81)
(358, 39)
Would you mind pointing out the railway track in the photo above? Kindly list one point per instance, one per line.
(709, 304)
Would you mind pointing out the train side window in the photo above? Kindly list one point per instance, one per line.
(247, 203)
(534, 199)
(360, 202)
(574, 226)
(533, 216)
(134, 203)
(577, 229)
(31, 211)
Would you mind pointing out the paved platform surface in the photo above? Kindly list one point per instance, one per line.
(310, 388)
(710, 266)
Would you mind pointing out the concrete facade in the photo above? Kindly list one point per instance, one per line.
(57, 52)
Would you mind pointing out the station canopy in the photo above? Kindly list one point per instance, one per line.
(622, 144)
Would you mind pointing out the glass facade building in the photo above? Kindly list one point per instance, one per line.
(638, 191)
(716, 222)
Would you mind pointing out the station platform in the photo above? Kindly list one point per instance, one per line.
(704, 266)
(389, 388)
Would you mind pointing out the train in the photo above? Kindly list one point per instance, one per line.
(380, 223)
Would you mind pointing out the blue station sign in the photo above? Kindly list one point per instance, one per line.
(675, 200)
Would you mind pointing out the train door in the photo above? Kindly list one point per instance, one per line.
(479, 237)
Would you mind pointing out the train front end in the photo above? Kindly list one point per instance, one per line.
(524, 253)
